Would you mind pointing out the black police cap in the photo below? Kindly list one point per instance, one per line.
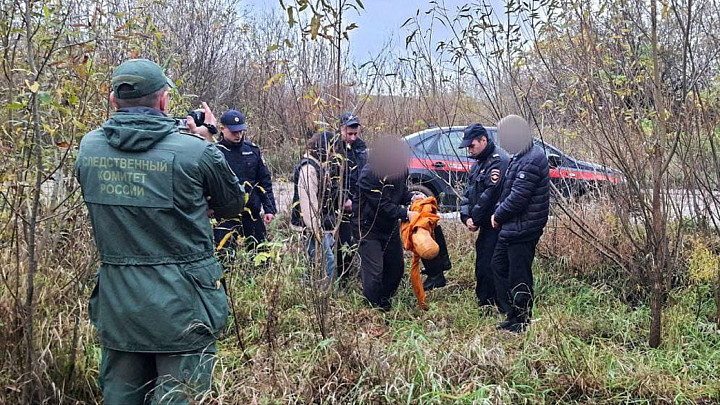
(471, 132)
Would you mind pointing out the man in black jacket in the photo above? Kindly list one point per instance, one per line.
(521, 215)
(381, 204)
(355, 154)
(478, 204)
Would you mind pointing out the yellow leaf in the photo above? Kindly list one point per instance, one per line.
(33, 87)
(277, 78)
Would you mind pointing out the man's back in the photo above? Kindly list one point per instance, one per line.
(146, 187)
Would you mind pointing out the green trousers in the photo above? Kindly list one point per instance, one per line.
(155, 378)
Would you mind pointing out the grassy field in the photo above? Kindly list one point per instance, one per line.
(585, 344)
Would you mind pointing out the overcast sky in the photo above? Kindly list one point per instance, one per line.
(378, 23)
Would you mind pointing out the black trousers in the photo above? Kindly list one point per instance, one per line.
(485, 289)
(346, 245)
(512, 267)
(381, 267)
(442, 262)
(253, 231)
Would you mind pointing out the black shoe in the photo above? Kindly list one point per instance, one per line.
(485, 303)
(514, 325)
(517, 327)
(382, 306)
(506, 324)
(434, 282)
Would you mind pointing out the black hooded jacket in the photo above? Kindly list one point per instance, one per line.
(524, 204)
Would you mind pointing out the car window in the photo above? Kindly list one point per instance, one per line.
(449, 144)
(492, 133)
(426, 146)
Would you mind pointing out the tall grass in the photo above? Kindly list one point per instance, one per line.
(586, 344)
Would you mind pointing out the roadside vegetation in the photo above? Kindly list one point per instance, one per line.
(628, 279)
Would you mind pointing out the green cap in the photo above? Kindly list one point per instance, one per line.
(141, 75)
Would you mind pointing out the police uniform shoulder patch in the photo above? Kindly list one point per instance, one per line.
(495, 175)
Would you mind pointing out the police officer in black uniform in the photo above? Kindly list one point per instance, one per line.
(247, 162)
(478, 204)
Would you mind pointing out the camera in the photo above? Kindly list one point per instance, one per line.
(198, 116)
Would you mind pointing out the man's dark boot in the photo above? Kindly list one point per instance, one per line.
(506, 323)
(434, 282)
(515, 324)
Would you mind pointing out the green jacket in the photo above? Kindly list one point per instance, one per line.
(146, 188)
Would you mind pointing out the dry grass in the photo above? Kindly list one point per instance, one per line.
(585, 346)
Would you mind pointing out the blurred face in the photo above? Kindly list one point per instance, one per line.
(232, 136)
(477, 146)
(514, 134)
(350, 134)
(389, 156)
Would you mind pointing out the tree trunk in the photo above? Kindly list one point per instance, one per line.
(29, 310)
(657, 239)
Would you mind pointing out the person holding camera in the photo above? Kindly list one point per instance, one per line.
(246, 160)
(157, 304)
(202, 123)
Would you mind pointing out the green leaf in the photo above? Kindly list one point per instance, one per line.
(261, 258)
(325, 343)
(44, 97)
(15, 106)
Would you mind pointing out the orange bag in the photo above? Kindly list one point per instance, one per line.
(418, 237)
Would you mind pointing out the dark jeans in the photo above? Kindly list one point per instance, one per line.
(485, 289)
(438, 265)
(512, 266)
(346, 246)
(253, 231)
(381, 267)
(164, 378)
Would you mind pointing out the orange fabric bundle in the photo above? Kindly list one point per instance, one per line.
(424, 244)
(418, 237)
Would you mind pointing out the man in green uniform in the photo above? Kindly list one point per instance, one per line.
(158, 303)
